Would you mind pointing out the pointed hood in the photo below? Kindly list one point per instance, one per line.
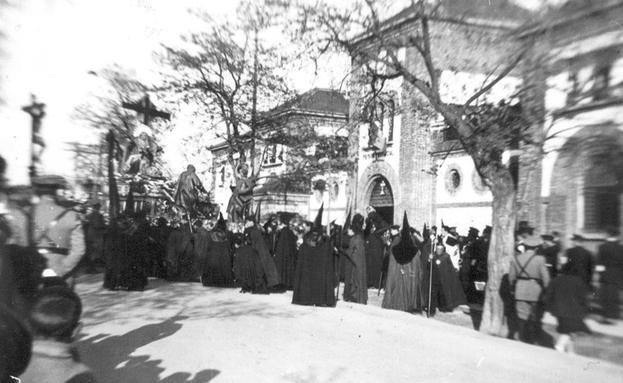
(258, 212)
(347, 223)
(129, 204)
(220, 224)
(318, 220)
(405, 250)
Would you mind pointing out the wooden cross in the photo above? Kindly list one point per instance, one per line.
(145, 108)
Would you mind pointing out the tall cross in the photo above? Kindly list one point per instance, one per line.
(36, 110)
(145, 108)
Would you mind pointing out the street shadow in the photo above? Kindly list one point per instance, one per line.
(110, 356)
(163, 297)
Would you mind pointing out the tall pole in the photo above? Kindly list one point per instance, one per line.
(254, 102)
(36, 110)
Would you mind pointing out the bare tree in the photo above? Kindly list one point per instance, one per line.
(486, 131)
(231, 72)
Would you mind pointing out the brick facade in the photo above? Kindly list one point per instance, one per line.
(550, 178)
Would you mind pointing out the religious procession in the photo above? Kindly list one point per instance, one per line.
(267, 191)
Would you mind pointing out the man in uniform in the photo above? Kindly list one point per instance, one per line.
(58, 235)
(528, 273)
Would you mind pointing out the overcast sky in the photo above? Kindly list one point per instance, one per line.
(51, 45)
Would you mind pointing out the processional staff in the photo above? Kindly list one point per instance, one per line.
(36, 110)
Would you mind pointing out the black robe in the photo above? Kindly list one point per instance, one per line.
(217, 267)
(160, 235)
(125, 266)
(268, 263)
(248, 270)
(180, 255)
(445, 276)
(315, 274)
(355, 285)
(201, 240)
(285, 257)
(375, 251)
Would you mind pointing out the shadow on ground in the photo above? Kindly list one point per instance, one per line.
(163, 298)
(111, 360)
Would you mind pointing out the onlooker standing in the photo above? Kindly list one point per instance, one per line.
(529, 276)
(580, 258)
(566, 300)
(55, 319)
(610, 265)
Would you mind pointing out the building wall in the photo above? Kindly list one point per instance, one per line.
(408, 164)
(579, 125)
(271, 202)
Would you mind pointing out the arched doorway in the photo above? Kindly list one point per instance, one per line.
(382, 199)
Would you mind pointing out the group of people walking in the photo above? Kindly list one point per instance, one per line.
(541, 277)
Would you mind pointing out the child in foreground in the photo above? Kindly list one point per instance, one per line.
(55, 320)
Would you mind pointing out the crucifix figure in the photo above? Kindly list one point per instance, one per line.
(36, 110)
(143, 151)
(147, 110)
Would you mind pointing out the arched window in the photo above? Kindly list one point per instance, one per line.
(602, 190)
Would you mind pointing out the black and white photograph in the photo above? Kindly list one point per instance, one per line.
(311, 191)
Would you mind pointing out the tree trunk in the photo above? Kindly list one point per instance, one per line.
(113, 192)
(501, 247)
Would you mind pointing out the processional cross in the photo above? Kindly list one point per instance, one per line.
(145, 108)
(148, 111)
(36, 110)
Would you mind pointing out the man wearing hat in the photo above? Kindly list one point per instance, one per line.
(610, 266)
(57, 229)
(580, 258)
(529, 275)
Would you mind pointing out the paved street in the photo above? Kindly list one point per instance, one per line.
(182, 332)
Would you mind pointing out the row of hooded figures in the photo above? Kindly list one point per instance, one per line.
(298, 255)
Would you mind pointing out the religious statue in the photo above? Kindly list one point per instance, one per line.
(186, 192)
(241, 200)
(142, 153)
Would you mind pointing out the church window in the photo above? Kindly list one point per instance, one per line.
(601, 80)
(574, 91)
(453, 180)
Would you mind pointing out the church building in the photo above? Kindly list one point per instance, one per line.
(409, 159)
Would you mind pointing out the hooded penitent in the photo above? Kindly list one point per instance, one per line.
(220, 224)
(129, 204)
(405, 250)
(347, 222)
(258, 213)
(318, 220)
